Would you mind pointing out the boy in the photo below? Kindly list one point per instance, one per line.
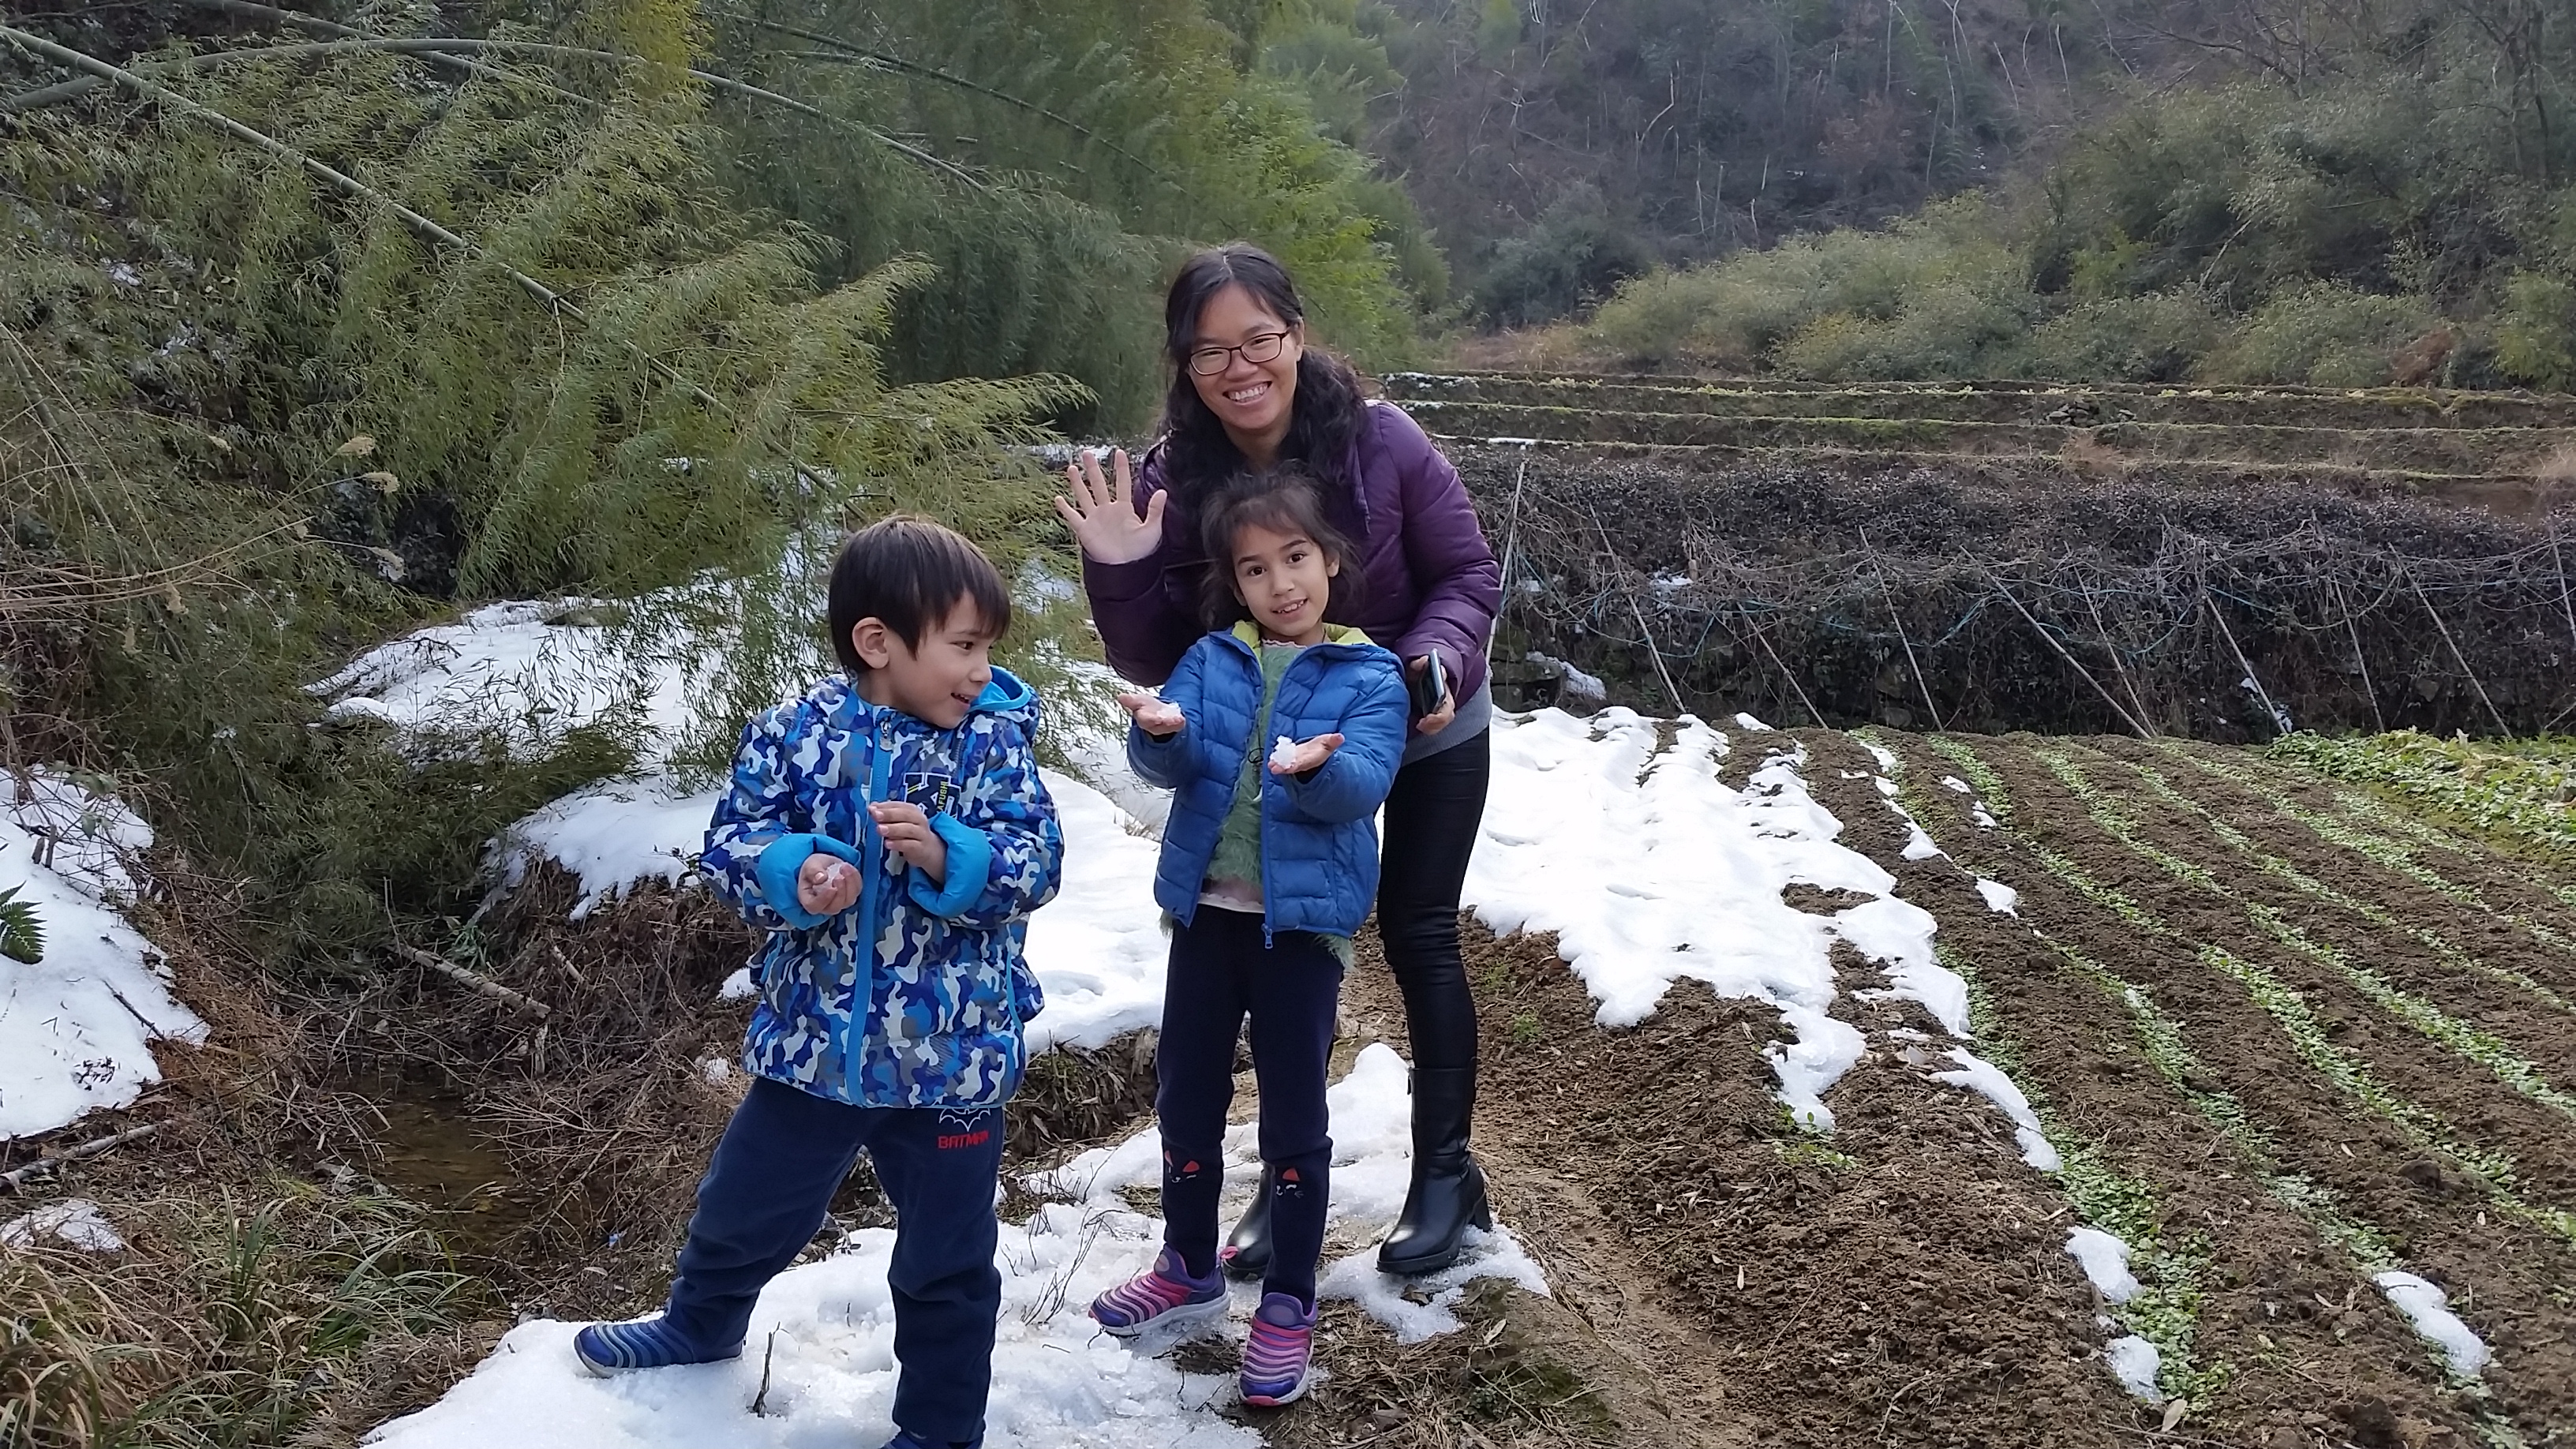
(890, 832)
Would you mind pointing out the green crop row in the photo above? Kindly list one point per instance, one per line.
(2430, 1021)
(2523, 798)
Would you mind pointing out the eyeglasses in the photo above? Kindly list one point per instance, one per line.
(1260, 347)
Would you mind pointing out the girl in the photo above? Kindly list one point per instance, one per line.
(1279, 737)
(1249, 390)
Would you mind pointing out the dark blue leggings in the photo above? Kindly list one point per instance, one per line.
(782, 1156)
(1220, 972)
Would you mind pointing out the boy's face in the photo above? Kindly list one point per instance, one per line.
(937, 682)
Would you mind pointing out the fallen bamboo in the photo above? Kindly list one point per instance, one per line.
(17, 1178)
(2359, 659)
(480, 984)
(2051, 641)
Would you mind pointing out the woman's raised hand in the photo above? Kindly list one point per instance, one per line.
(1153, 715)
(1102, 511)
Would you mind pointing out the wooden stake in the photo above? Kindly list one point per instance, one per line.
(17, 1178)
(2565, 604)
(2051, 641)
(2358, 657)
(2112, 649)
(1911, 662)
(482, 985)
(1653, 650)
(2280, 724)
(2456, 655)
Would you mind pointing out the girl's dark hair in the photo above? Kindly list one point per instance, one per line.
(1285, 499)
(910, 572)
(1325, 417)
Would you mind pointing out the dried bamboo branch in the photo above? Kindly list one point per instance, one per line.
(2358, 657)
(518, 1001)
(17, 1178)
(2280, 719)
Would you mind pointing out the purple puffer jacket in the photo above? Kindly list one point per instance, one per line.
(1428, 576)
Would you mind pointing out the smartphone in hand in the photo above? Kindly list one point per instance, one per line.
(1430, 687)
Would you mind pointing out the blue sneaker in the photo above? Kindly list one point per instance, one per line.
(641, 1343)
(906, 1439)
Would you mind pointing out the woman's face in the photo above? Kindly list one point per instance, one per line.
(1252, 399)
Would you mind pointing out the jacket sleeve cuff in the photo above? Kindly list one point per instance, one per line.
(970, 868)
(777, 868)
(1123, 582)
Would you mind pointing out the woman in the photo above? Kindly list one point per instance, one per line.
(1248, 392)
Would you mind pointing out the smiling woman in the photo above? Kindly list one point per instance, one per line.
(1250, 390)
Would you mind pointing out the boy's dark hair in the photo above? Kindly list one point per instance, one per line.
(1284, 499)
(909, 572)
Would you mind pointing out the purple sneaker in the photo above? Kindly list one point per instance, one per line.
(1163, 1295)
(1277, 1359)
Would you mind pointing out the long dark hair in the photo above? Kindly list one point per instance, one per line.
(1284, 499)
(1324, 418)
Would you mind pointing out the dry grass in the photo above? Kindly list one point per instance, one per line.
(2557, 467)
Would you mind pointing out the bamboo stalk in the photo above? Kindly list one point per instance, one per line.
(2118, 666)
(1911, 662)
(1654, 651)
(480, 984)
(2358, 658)
(2462, 659)
(17, 1178)
(2051, 641)
(2280, 724)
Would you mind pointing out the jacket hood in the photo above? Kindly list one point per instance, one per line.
(1249, 634)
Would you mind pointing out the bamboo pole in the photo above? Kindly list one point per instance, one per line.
(2051, 641)
(17, 1178)
(1912, 663)
(476, 982)
(2118, 667)
(2456, 655)
(1654, 651)
(2336, 588)
(2279, 716)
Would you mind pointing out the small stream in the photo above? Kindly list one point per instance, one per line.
(432, 1153)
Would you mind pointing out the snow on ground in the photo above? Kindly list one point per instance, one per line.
(76, 1027)
(2428, 1308)
(1987, 1081)
(1651, 870)
(827, 1329)
(74, 1222)
(528, 670)
(2106, 1263)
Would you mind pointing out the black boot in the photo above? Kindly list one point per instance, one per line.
(1448, 1191)
(1246, 1255)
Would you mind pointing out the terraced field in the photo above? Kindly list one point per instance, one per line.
(2370, 434)
(2300, 1049)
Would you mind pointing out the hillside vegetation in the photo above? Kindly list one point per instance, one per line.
(2377, 193)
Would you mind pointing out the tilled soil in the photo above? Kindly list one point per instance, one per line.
(2507, 1279)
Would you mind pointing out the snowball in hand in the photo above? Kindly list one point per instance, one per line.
(1283, 753)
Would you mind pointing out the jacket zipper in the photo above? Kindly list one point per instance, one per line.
(863, 962)
(1260, 727)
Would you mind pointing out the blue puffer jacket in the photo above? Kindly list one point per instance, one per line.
(915, 996)
(1319, 832)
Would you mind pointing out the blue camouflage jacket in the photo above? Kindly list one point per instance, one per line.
(915, 996)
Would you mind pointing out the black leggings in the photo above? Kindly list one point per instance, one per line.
(1432, 817)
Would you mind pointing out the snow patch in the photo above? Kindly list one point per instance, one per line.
(1982, 1078)
(2106, 1263)
(2428, 1308)
(75, 1221)
(2000, 898)
(1885, 757)
(76, 1027)
(2135, 1363)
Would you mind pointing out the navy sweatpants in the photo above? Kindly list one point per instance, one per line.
(1220, 972)
(782, 1156)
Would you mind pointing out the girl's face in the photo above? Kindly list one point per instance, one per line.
(1252, 399)
(1285, 580)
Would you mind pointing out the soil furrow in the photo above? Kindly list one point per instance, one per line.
(1896, 1282)
(2505, 1276)
(2469, 1109)
(2277, 1305)
(2499, 890)
(2503, 1016)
